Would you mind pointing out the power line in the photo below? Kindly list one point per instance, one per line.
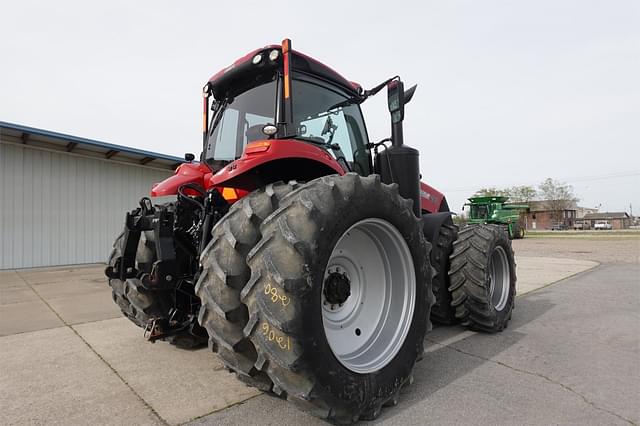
(564, 180)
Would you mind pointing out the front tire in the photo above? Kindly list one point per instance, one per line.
(321, 286)
(483, 278)
(140, 305)
(518, 231)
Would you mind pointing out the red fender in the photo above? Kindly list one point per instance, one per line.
(185, 173)
(255, 154)
(430, 198)
(261, 152)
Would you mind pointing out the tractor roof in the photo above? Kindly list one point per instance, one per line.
(488, 199)
(243, 69)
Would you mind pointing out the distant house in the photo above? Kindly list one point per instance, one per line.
(582, 211)
(542, 217)
(618, 220)
(580, 223)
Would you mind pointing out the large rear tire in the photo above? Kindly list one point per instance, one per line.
(483, 278)
(142, 306)
(329, 331)
(225, 272)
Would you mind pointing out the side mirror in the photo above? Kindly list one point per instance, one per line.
(395, 99)
(398, 98)
(189, 157)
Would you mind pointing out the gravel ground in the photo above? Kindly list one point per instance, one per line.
(600, 249)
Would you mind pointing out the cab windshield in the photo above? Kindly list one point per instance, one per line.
(480, 212)
(238, 121)
(318, 120)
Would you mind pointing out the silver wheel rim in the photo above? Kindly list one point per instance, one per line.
(368, 329)
(500, 278)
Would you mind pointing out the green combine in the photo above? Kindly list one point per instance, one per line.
(495, 210)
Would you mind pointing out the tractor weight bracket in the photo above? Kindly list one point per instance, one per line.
(124, 265)
(164, 272)
(147, 218)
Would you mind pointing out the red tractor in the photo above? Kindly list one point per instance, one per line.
(311, 259)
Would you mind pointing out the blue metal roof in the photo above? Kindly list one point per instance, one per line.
(91, 142)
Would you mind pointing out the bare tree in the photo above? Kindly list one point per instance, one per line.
(521, 194)
(460, 220)
(490, 192)
(515, 193)
(558, 196)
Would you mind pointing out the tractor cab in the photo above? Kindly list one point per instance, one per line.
(277, 94)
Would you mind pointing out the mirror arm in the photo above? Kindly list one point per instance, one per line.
(379, 87)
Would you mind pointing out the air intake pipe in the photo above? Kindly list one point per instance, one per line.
(400, 163)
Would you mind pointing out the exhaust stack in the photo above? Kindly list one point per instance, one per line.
(400, 163)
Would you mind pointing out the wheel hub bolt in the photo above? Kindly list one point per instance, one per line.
(337, 289)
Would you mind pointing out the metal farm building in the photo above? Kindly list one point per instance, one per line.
(63, 198)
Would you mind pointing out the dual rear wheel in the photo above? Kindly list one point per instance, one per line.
(336, 306)
(483, 278)
(322, 293)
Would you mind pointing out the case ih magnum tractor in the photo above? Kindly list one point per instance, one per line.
(309, 258)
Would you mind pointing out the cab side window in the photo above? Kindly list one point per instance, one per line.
(318, 121)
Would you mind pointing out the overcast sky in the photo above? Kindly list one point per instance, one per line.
(509, 92)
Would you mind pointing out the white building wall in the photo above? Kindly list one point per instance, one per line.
(64, 209)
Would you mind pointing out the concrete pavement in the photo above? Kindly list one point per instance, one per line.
(570, 356)
(537, 272)
(67, 356)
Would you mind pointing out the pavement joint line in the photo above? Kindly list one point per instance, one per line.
(235, 404)
(60, 326)
(542, 376)
(145, 403)
(450, 341)
(597, 265)
(33, 331)
(468, 333)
